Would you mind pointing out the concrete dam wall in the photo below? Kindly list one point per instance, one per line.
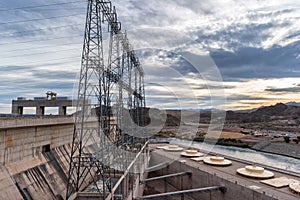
(34, 157)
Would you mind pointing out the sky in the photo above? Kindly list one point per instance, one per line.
(221, 54)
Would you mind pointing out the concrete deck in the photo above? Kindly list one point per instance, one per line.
(229, 174)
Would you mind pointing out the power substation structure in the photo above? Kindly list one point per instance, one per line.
(108, 144)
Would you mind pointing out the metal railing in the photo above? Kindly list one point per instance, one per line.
(136, 167)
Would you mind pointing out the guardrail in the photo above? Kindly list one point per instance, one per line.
(140, 161)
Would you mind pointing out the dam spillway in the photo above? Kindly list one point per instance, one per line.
(35, 155)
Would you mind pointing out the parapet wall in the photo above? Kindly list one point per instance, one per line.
(23, 122)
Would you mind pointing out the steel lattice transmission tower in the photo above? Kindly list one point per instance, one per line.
(110, 104)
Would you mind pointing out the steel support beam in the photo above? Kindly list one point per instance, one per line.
(157, 167)
(166, 176)
(182, 192)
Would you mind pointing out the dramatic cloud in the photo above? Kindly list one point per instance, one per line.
(275, 62)
(253, 44)
(284, 90)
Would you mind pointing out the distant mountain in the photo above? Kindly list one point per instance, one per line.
(249, 110)
(293, 103)
(265, 114)
(278, 114)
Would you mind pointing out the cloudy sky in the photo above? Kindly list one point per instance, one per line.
(196, 54)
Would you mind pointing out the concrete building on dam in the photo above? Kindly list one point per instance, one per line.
(41, 103)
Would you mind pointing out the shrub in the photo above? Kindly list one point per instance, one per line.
(296, 140)
(200, 134)
(286, 139)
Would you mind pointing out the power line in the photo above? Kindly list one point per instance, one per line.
(39, 40)
(65, 63)
(40, 6)
(63, 9)
(8, 34)
(39, 19)
(56, 9)
(33, 54)
(42, 63)
(82, 8)
(42, 47)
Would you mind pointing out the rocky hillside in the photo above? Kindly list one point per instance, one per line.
(279, 111)
(277, 117)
